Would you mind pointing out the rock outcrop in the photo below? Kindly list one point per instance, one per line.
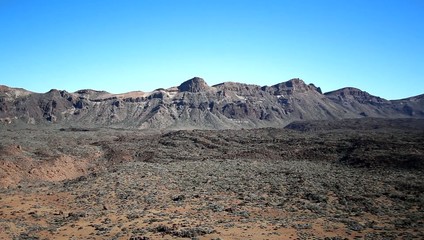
(196, 105)
(194, 85)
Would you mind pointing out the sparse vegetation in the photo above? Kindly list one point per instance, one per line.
(230, 184)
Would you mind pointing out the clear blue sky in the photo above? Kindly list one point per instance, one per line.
(120, 46)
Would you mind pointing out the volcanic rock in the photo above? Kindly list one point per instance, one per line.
(195, 105)
(194, 85)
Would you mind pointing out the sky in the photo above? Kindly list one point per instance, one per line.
(125, 45)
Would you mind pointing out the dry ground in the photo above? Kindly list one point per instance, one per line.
(69, 183)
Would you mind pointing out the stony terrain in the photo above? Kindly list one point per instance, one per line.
(196, 105)
(356, 178)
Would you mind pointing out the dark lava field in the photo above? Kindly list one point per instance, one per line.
(348, 179)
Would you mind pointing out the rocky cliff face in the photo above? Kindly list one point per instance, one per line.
(194, 85)
(194, 104)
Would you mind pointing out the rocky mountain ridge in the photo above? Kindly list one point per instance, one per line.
(196, 105)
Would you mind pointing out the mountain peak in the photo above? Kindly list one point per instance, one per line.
(296, 81)
(195, 84)
(353, 94)
(348, 91)
(294, 85)
(13, 92)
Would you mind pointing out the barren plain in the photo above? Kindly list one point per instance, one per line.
(348, 179)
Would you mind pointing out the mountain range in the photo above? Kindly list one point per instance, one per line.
(196, 105)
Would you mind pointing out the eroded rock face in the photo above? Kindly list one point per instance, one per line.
(354, 94)
(194, 85)
(290, 87)
(196, 105)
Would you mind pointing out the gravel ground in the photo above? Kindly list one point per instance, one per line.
(245, 184)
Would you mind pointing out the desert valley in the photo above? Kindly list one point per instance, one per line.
(229, 161)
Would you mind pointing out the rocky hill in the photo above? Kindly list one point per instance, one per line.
(194, 104)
